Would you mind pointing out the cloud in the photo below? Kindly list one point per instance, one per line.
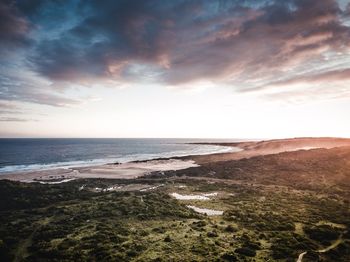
(15, 119)
(339, 78)
(327, 85)
(279, 42)
(297, 94)
(7, 108)
(13, 26)
(248, 45)
(22, 86)
(340, 75)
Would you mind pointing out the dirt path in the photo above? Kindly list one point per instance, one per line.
(334, 245)
(324, 250)
(22, 248)
(21, 251)
(300, 258)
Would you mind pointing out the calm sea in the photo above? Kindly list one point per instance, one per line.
(33, 154)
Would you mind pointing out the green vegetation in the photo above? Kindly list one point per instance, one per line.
(63, 223)
(261, 221)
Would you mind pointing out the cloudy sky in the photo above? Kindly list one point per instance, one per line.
(168, 68)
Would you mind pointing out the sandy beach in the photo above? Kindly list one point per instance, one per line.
(136, 169)
(112, 171)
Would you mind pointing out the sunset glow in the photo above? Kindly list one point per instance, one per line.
(220, 69)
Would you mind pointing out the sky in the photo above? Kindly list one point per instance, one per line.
(175, 68)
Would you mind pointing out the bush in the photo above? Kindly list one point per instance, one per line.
(281, 252)
(159, 230)
(311, 256)
(4, 252)
(323, 234)
(251, 245)
(229, 257)
(230, 229)
(167, 239)
(246, 251)
(212, 234)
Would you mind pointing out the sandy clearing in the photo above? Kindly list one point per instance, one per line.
(189, 197)
(207, 211)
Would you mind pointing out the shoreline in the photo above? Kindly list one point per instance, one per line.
(139, 168)
(134, 158)
(128, 170)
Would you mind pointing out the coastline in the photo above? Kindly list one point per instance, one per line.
(128, 170)
(270, 147)
(139, 168)
(131, 157)
(282, 201)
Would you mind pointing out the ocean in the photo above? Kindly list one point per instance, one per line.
(23, 154)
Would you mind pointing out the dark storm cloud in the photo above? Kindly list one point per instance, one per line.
(189, 40)
(13, 26)
(246, 44)
(283, 35)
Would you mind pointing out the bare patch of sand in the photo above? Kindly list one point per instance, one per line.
(205, 196)
(189, 197)
(209, 212)
(57, 182)
(151, 188)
